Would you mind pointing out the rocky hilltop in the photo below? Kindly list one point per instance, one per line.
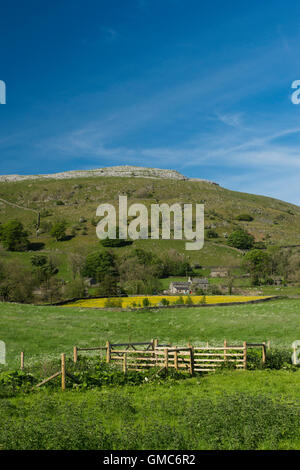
(117, 171)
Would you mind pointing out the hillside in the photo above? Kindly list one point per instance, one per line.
(75, 199)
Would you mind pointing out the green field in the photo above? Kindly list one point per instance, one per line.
(229, 410)
(253, 409)
(48, 331)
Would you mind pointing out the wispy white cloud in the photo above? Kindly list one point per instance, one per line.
(225, 133)
(231, 119)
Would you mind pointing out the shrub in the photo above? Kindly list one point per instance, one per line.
(240, 239)
(115, 242)
(179, 301)
(146, 302)
(245, 217)
(58, 230)
(189, 301)
(12, 382)
(211, 233)
(214, 289)
(278, 358)
(112, 303)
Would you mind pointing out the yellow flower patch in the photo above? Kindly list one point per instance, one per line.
(137, 302)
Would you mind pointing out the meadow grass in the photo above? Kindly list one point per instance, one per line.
(226, 410)
(229, 409)
(43, 332)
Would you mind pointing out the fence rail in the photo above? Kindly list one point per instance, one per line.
(192, 359)
(165, 356)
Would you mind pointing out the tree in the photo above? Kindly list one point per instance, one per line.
(240, 239)
(13, 236)
(259, 265)
(16, 283)
(76, 261)
(75, 289)
(99, 264)
(52, 290)
(58, 230)
(43, 267)
(176, 265)
(230, 281)
(108, 287)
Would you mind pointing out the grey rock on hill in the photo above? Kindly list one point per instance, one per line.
(117, 171)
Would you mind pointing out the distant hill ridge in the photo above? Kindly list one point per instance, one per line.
(125, 171)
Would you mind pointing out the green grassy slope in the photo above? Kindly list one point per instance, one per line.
(81, 196)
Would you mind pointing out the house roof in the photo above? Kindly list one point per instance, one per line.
(199, 280)
(180, 284)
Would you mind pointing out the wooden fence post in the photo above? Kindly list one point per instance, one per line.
(294, 355)
(269, 344)
(191, 361)
(245, 355)
(166, 359)
(125, 363)
(108, 352)
(155, 344)
(263, 353)
(176, 358)
(75, 354)
(22, 360)
(225, 346)
(63, 372)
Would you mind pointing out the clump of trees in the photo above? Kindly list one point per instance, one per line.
(17, 282)
(101, 265)
(13, 236)
(135, 272)
(259, 264)
(266, 265)
(44, 267)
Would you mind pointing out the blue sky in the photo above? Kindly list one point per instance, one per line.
(201, 87)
